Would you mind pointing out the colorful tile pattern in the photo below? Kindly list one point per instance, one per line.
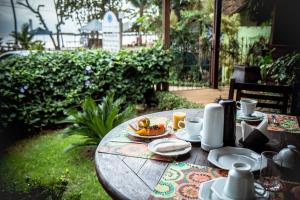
(181, 181)
(283, 123)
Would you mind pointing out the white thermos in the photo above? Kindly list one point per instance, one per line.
(213, 125)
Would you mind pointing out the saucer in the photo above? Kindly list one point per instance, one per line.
(205, 192)
(219, 183)
(183, 135)
(254, 116)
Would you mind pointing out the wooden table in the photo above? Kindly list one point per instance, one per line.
(134, 178)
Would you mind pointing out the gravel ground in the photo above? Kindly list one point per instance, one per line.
(203, 95)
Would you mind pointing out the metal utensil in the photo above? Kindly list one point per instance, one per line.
(274, 120)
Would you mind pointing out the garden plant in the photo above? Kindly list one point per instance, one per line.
(36, 90)
(95, 121)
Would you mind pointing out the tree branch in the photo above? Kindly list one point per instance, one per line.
(39, 15)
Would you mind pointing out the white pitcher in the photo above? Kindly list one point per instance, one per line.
(213, 125)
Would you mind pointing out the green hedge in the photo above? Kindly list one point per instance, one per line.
(35, 90)
(170, 101)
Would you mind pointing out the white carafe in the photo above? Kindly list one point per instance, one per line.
(213, 125)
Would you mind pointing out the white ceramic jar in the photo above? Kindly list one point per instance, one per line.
(288, 157)
(240, 182)
(213, 125)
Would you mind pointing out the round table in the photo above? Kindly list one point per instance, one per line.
(126, 177)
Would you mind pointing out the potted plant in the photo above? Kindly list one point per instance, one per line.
(249, 72)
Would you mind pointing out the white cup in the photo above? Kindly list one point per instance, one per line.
(240, 182)
(247, 106)
(193, 125)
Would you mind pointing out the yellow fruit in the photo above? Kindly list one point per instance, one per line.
(152, 130)
(144, 122)
(143, 131)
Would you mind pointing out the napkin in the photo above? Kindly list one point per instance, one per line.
(254, 137)
(247, 129)
(171, 146)
(255, 140)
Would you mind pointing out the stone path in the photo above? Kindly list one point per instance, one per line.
(203, 95)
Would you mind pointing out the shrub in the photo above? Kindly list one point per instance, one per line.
(35, 90)
(170, 101)
(95, 121)
(283, 70)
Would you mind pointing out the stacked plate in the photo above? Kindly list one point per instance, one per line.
(213, 190)
(226, 156)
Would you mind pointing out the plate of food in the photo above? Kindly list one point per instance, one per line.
(146, 128)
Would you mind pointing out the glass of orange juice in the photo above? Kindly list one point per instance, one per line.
(177, 116)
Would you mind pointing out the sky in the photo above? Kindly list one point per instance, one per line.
(24, 14)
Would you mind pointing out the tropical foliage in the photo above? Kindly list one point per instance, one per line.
(24, 37)
(95, 121)
(282, 70)
(37, 89)
(83, 11)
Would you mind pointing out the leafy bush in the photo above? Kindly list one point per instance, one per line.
(95, 121)
(170, 101)
(283, 70)
(35, 90)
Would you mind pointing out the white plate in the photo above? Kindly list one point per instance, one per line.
(183, 135)
(205, 192)
(153, 121)
(132, 133)
(254, 117)
(152, 145)
(226, 156)
(219, 183)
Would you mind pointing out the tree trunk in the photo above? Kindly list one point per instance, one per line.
(57, 37)
(15, 21)
(59, 22)
(140, 34)
(42, 21)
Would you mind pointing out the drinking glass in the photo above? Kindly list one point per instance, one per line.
(270, 171)
(177, 116)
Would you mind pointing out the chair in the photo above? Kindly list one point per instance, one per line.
(268, 96)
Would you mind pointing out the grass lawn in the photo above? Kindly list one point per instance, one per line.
(42, 158)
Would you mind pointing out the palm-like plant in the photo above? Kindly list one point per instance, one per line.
(95, 121)
(24, 37)
(141, 5)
